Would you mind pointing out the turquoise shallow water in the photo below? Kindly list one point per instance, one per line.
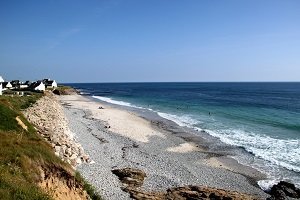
(263, 118)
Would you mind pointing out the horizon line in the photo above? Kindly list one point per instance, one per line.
(183, 82)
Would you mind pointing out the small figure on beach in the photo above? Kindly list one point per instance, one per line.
(101, 107)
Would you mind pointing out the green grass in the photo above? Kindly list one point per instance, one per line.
(64, 87)
(64, 90)
(23, 153)
(20, 102)
(7, 116)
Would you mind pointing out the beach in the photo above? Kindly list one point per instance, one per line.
(116, 138)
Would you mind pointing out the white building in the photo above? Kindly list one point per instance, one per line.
(38, 86)
(6, 85)
(50, 83)
(1, 79)
(22, 86)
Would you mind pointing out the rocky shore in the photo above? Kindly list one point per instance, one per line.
(48, 117)
(118, 139)
(134, 159)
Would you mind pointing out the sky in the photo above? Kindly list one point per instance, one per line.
(150, 40)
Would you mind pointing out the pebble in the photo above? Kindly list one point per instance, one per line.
(164, 169)
(49, 119)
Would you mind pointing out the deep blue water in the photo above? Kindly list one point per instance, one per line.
(264, 118)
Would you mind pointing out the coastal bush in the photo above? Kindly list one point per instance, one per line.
(64, 90)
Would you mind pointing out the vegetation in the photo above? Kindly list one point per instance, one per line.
(64, 87)
(21, 151)
(24, 152)
(64, 90)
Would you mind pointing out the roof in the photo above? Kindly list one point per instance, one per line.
(4, 84)
(15, 83)
(1, 79)
(35, 84)
(48, 82)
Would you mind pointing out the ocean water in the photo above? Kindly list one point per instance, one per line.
(262, 118)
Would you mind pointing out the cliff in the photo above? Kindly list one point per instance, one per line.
(29, 168)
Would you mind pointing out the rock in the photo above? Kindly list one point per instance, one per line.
(130, 176)
(65, 91)
(48, 117)
(78, 161)
(85, 158)
(132, 179)
(135, 145)
(73, 156)
(283, 190)
(57, 149)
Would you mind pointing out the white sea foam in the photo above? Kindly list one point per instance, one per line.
(280, 152)
(112, 101)
(284, 153)
(183, 120)
(267, 184)
(85, 93)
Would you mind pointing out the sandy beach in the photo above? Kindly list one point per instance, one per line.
(117, 138)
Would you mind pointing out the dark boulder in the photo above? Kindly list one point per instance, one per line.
(132, 179)
(130, 176)
(283, 190)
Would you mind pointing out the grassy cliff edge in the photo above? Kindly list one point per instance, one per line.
(27, 162)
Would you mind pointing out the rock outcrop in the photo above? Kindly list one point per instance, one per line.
(283, 190)
(64, 91)
(133, 179)
(48, 117)
(130, 177)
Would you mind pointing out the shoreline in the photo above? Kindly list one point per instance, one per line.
(122, 138)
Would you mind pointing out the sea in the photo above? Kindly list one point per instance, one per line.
(262, 118)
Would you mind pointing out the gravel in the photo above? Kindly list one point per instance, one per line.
(164, 169)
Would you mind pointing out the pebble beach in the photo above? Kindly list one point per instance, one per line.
(115, 138)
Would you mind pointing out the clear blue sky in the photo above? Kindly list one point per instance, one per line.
(150, 40)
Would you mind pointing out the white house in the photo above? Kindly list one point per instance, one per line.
(6, 85)
(50, 83)
(1, 79)
(38, 86)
